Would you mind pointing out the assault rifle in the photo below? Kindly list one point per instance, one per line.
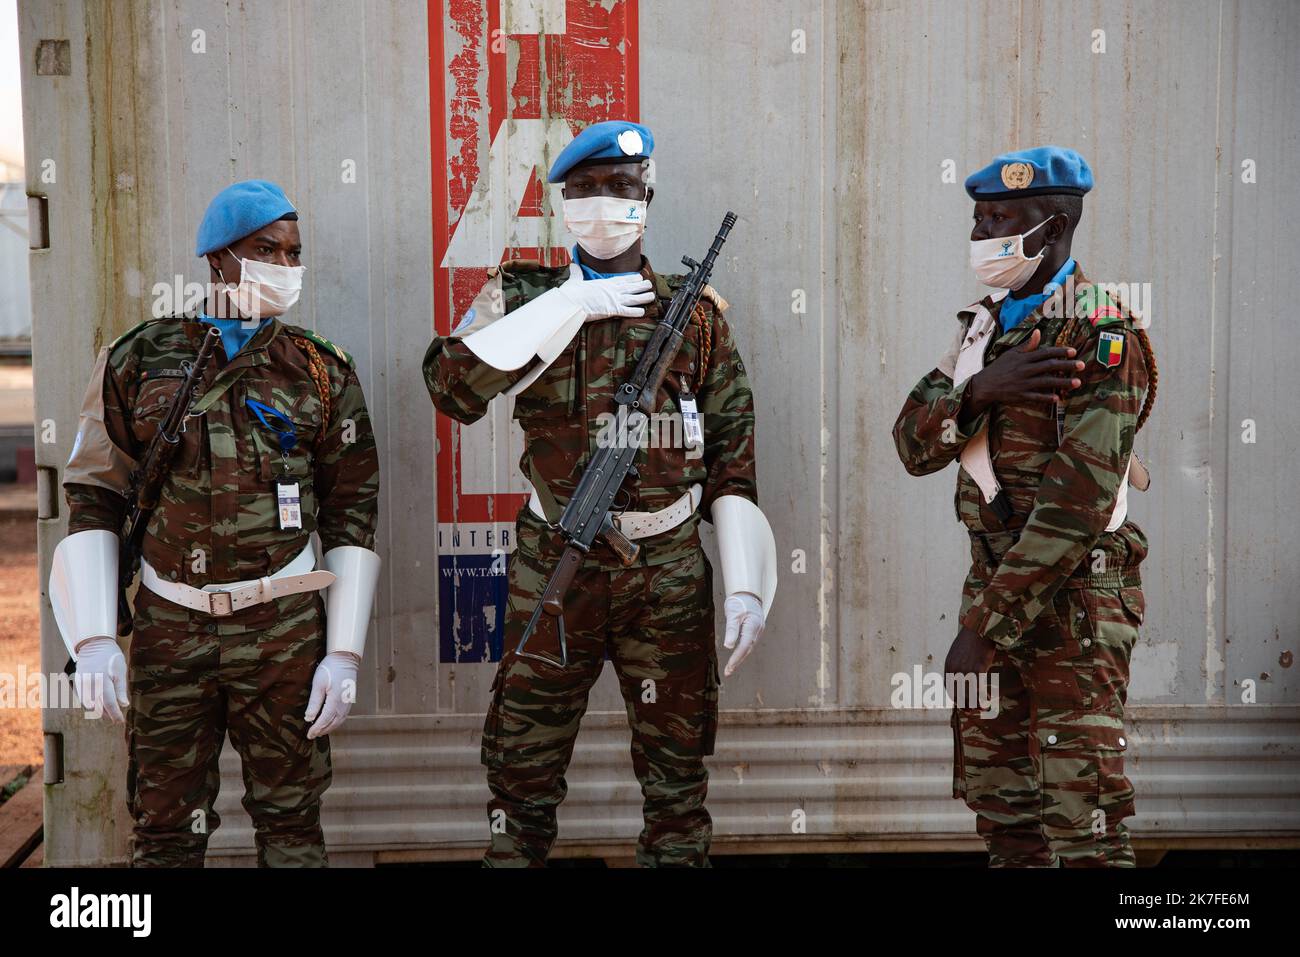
(147, 479)
(587, 515)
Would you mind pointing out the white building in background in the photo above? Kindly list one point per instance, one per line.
(15, 293)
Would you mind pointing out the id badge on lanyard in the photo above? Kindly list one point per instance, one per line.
(288, 503)
(692, 429)
(288, 498)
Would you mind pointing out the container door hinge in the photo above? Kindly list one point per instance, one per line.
(53, 757)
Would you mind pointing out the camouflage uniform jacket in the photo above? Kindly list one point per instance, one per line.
(219, 499)
(1062, 496)
(564, 412)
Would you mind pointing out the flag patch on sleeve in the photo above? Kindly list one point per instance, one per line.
(1110, 349)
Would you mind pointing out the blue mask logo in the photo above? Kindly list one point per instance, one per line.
(1006, 249)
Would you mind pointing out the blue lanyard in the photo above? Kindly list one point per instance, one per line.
(288, 439)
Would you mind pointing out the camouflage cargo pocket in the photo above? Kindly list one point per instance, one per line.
(1083, 780)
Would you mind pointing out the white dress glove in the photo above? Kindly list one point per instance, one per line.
(333, 685)
(101, 679)
(745, 620)
(603, 298)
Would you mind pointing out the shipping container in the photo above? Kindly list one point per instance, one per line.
(414, 138)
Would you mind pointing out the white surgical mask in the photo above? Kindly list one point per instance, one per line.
(605, 225)
(265, 289)
(1002, 263)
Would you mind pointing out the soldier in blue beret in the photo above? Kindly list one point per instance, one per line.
(249, 236)
(1039, 397)
(235, 627)
(607, 196)
(563, 341)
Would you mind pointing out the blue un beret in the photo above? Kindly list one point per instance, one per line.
(1035, 172)
(613, 141)
(238, 210)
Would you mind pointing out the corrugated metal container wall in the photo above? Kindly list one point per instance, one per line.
(828, 127)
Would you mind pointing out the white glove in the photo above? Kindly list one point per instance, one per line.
(745, 620)
(334, 685)
(101, 679)
(603, 298)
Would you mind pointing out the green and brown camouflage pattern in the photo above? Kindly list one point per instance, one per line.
(193, 678)
(1058, 595)
(1062, 497)
(216, 522)
(654, 620)
(561, 412)
(220, 496)
(656, 625)
(1037, 774)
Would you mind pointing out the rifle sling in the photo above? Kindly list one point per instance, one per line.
(219, 387)
(549, 505)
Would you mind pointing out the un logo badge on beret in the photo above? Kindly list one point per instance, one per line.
(1017, 175)
(629, 141)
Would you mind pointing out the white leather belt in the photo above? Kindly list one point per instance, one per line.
(644, 524)
(222, 600)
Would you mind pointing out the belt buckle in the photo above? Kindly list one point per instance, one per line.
(219, 604)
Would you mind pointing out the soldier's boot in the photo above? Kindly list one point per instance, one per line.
(528, 738)
(994, 772)
(266, 675)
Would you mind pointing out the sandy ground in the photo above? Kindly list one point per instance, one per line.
(20, 634)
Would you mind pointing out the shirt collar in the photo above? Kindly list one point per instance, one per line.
(1014, 311)
(589, 273)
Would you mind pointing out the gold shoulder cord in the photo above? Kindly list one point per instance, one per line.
(706, 344)
(319, 375)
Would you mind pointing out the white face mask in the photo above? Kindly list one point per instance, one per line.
(605, 225)
(1002, 263)
(265, 289)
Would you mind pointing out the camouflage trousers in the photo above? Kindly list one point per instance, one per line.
(656, 624)
(1045, 775)
(193, 678)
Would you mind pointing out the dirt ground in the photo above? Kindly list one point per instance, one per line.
(20, 634)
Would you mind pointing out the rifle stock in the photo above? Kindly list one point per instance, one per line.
(561, 579)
